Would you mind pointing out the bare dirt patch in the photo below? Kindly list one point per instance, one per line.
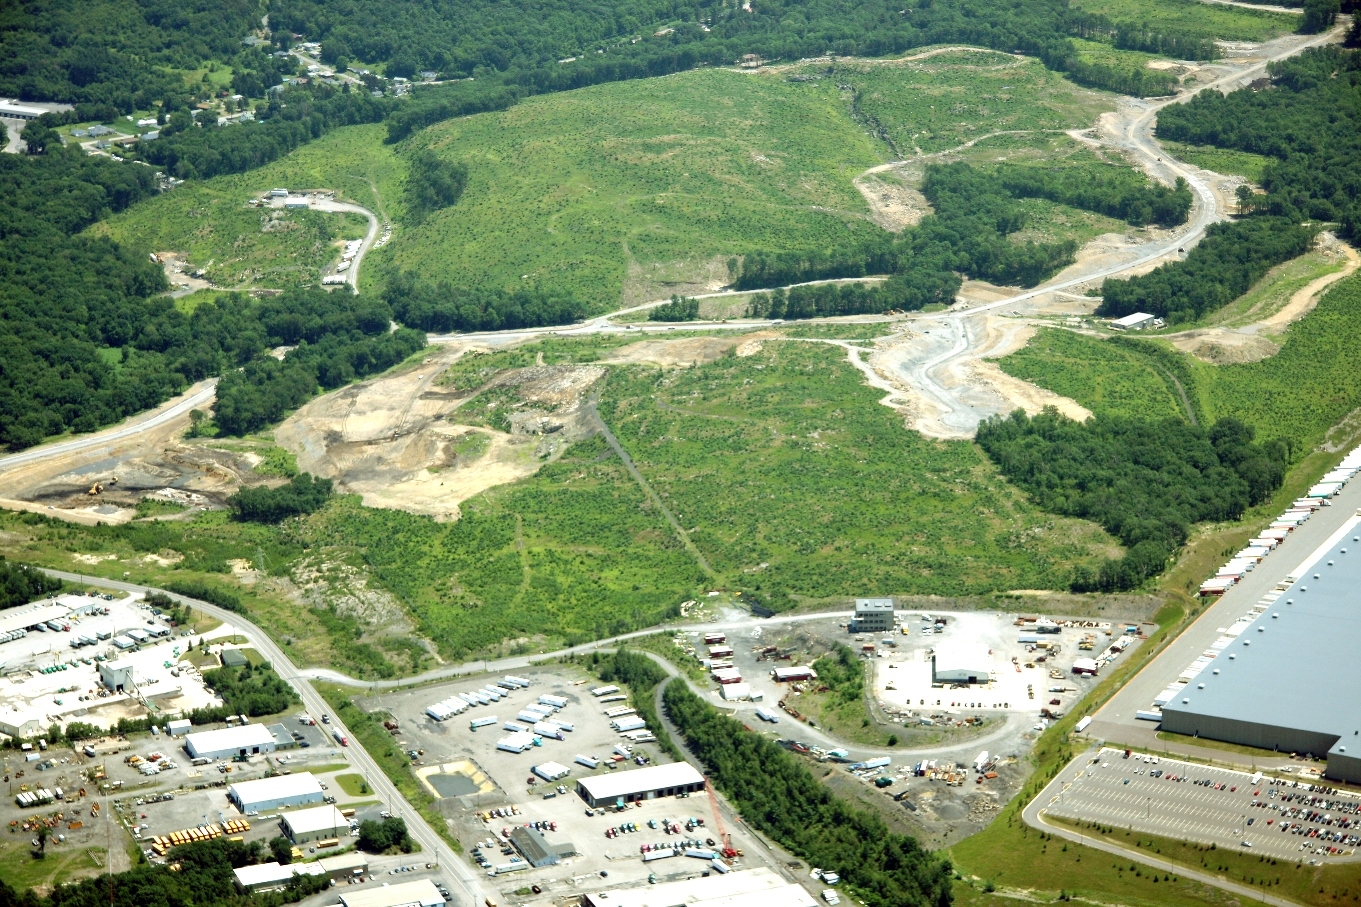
(142, 464)
(684, 353)
(659, 280)
(1258, 340)
(894, 205)
(397, 440)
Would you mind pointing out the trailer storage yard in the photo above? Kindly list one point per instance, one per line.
(509, 781)
(58, 670)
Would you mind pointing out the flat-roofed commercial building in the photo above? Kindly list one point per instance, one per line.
(420, 893)
(224, 743)
(276, 792)
(1276, 685)
(758, 887)
(640, 784)
(315, 824)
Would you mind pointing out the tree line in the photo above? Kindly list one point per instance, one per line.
(1146, 483)
(975, 213)
(680, 308)
(303, 494)
(908, 292)
(441, 306)
(1223, 266)
(780, 797)
(20, 584)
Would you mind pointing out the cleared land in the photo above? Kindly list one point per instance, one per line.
(1192, 18)
(1299, 393)
(211, 225)
(638, 190)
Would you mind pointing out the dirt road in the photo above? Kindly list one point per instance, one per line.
(956, 337)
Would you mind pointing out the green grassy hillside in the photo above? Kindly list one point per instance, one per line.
(1299, 393)
(209, 221)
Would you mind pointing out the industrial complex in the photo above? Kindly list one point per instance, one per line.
(273, 793)
(640, 784)
(1256, 692)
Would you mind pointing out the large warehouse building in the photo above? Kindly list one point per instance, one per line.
(758, 887)
(315, 824)
(276, 792)
(1280, 685)
(960, 662)
(641, 784)
(224, 743)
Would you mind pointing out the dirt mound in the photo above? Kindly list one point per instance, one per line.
(1222, 346)
(396, 440)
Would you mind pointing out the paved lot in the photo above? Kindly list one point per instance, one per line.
(454, 742)
(1231, 809)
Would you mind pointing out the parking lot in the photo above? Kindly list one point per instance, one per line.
(600, 861)
(1280, 818)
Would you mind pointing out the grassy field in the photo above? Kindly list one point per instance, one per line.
(1299, 394)
(62, 864)
(1193, 18)
(1296, 881)
(210, 222)
(1306, 388)
(353, 785)
(568, 190)
(1105, 378)
(1096, 53)
(795, 484)
(942, 101)
(1220, 160)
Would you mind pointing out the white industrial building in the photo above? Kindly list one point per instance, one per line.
(273, 793)
(272, 875)
(1136, 322)
(13, 111)
(760, 887)
(224, 743)
(873, 615)
(961, 662)
(640, 784)
(314, 824)
(420, 893)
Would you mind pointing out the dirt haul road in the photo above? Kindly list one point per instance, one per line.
(927, 371)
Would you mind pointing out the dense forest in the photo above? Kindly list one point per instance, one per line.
(976, 211)
(121, 53)
(19, 585)
(1145, 482)
(778, 795)
(680, 308)
(1223, 266)
(1308, 122)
